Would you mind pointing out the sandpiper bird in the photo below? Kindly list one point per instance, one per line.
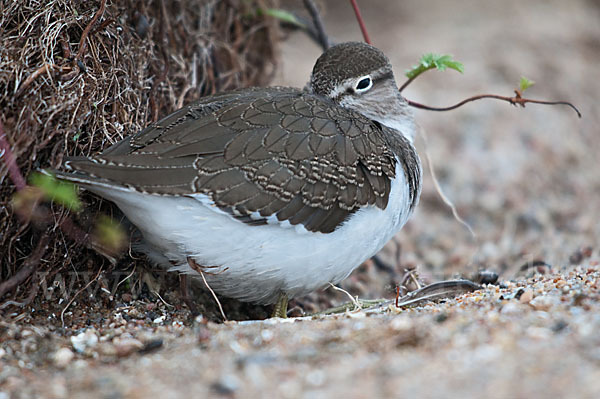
(274, 192)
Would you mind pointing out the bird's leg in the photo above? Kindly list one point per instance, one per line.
(184, 286)
(280, 309)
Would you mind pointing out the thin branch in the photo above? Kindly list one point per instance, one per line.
(9, 159)
(73, 231)
(432, 292)
(437, 291)
(104, 24)
(47, 67)
(214, 296)
(409, 81)
(162, 300)
(126, 278)
(86, 31)
(29, 299)
(62, 314)
(29, 267)
(439, 190)
(354, 300)
(516, 100)
(361, 22)
(317, 23)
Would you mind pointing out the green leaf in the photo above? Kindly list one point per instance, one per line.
(58, 191)
(431, 60)
(282, 15)
(110, 234)
(525, 83)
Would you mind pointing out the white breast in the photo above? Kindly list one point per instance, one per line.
(259, 262)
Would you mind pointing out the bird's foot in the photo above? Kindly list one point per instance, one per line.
(184, 286)
(280, 308)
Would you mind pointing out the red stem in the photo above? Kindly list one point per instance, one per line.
(9, 160)
(361, 22)
(513, 100)
(88, 28)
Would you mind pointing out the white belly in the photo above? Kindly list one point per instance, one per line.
(261, 261)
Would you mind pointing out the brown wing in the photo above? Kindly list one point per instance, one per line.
(258, 153)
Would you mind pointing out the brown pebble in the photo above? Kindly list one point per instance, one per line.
(63, 357)
(526, 296)
(127, 346)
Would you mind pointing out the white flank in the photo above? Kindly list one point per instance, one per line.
(256, 263)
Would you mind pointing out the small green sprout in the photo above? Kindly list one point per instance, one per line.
(282, 15)
(525, 83)
(110, 234)
(430, 61)
(57, 191)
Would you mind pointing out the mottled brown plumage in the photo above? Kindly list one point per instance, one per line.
(273, 151)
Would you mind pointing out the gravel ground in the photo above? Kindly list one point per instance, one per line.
(534, 338)
(527, 181)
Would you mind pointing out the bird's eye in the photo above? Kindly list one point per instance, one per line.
(364, 84)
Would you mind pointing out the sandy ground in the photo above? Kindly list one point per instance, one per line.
(527, 181)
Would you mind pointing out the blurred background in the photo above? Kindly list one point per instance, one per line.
(526, 180)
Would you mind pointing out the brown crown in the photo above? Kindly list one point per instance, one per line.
(344, 61)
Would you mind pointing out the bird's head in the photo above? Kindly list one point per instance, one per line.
(359, 76)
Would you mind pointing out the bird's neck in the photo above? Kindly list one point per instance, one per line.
(403, 123)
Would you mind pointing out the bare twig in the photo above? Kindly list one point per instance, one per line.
(29, 267)
(126, 278)
(9, 159)
(47, 67)
(163, 29)
(62, 314)
(66, 48)
(200, 269)
(214, 296)
(361, 22)
(416, 282)
(104, 24)
(409, 274)
(354, 300)
(516, 100)
(32, 292)
(439, 190)
(322, 38)
(432, 292)
(86, 31)
(409, 81)
(162, 300)
(348, 306)
(437, 291)
(73, 231)
(184, 287)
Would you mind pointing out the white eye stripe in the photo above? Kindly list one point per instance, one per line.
(363, 84)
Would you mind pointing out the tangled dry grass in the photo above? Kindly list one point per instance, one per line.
(78, 76)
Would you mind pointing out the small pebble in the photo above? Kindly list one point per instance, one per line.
(226, 385)
(526, 296)
(400, 324)
(63, 357)
(511, 308)
(85, 340)
(127, 346)
(542, 302)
